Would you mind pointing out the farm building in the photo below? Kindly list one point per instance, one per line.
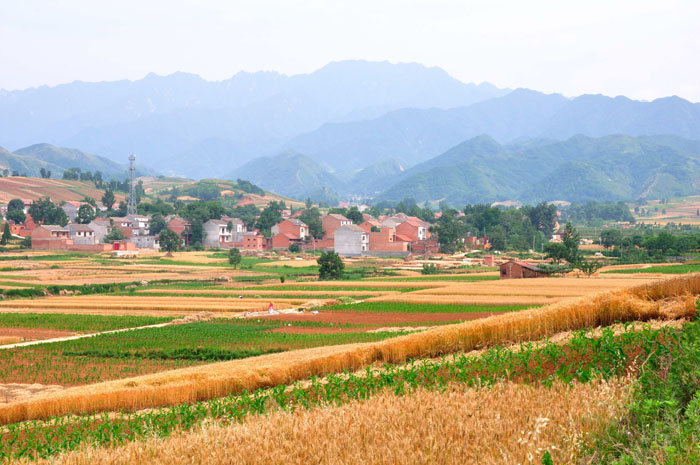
(515, 269)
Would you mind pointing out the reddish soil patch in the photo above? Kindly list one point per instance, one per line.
(35, 333)
(371, 318)
(307, 330)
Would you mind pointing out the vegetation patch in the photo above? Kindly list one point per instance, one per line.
(670, 269)
(80, 323)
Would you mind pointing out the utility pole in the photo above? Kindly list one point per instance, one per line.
(131, 206)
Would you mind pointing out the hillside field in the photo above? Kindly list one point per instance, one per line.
(59, 190)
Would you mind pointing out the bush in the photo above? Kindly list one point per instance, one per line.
(330, 265)
(294, 248)
(430, 268)
(234, 257)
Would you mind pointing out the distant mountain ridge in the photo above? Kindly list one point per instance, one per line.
(171, 121)
(480, 170)
(415, 135)
(581, 168)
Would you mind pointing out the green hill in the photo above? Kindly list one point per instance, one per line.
(291, 174)
(578, 169)
(30, 160)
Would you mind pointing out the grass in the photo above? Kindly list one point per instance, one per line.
(670, 269)
(583, 359)
(400, 307)
(234, 295)
(79, 323)
(661, 299)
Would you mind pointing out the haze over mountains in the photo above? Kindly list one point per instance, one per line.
(356, 127)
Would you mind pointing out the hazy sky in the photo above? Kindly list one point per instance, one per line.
(640, 48)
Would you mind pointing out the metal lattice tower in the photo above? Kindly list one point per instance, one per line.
(131, 206)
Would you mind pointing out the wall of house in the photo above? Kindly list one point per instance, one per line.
(348, 243)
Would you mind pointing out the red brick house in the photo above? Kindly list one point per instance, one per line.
(293, 227)
(414, 230)
(332, 222)
(49, 236)
(515, 269)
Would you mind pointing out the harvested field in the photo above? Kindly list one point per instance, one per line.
(15, 391)
(510, 423)
(666, 299)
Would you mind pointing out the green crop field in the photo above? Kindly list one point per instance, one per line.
(671, 269)
(113, 356)
(78, 323)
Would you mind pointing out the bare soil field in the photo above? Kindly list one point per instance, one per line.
(32, 334)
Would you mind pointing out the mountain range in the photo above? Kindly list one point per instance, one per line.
(351, 128)
(182, 124)
(580, 168)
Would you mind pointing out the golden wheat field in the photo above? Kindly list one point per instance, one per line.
(670, 298)
(509, 423)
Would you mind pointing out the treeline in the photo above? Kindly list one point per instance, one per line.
(649, 247)
(521, 228)
(594, 213)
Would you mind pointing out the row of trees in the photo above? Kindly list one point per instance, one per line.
(507, 229)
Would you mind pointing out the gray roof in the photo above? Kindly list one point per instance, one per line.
(351, 227)
(54, 227)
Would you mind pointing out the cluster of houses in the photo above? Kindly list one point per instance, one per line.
(395, 235)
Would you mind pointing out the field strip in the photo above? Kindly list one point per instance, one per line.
(254, 292)
(80, 336)
(668, 299)
(410, 298)
(361, 284)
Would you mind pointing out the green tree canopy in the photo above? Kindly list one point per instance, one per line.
(330, 265)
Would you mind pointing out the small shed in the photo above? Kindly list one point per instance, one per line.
(515, 269)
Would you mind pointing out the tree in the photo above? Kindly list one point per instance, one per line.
(555, 251)
(6, 234)
(157, 224)
(294, 248)
(589, 266)
(15, 211)
(312, 218)
(571, 238)
(122, 210)
(234, 257)
(114, 235)
(543, 217)
(46, 212)
(86, 213)
(169, 241)
(330, 266)
(449, 230)
(108, 199)
(270, 216)
(610, 237)
(229, 226)
(355, 215)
